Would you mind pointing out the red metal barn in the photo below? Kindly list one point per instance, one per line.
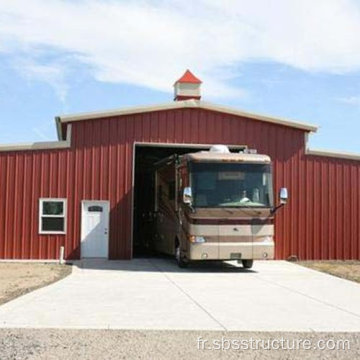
(43, 186)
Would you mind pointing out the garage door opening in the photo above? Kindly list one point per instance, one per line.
(146, 155)
(144, 192)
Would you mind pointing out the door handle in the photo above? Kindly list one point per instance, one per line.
(106, 231)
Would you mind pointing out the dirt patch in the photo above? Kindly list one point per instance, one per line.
(349, 270)
(163, 345)
(20, 278)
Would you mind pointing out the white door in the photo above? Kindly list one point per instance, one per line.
(94, 229)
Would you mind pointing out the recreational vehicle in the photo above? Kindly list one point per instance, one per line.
(215, 205)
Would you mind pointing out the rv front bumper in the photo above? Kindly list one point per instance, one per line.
(231, 251)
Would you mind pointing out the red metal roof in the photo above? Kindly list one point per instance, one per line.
(189, 77)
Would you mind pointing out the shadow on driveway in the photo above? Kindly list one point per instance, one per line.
(161, 264)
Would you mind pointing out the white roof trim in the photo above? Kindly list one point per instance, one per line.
(261, 117)
(333, 154)
(184, 104)
(58, 128)
(63, 144)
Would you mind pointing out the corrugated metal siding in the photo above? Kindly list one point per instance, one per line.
(24, 178)
(320, 221)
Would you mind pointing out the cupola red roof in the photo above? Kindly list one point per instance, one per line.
(189, 77)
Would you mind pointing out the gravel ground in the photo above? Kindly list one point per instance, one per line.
(122, 344)
(348, 269)
(20, 278)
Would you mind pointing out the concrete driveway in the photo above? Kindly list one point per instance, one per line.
(155, 294)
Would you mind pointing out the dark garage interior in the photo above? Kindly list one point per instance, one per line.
(144, 193)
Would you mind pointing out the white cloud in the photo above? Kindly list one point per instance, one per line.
(148, 43)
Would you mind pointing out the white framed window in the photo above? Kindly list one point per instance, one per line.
(52, 216)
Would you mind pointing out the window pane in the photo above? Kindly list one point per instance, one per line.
(95, 208)
(231, 185)
(53, 208)
(53, 224)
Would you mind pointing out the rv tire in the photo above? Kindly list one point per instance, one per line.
(180, 260)
(247, 264)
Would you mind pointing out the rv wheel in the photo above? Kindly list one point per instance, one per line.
(247, 264)
(180, 261)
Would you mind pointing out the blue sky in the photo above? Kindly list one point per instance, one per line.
(298, 60)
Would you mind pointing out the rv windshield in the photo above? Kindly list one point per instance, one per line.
(231, 185)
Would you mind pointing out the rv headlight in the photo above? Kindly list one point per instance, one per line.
(199, 239)
(196, 239)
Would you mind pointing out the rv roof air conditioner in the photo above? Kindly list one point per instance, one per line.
(221, 149)
(248, 151)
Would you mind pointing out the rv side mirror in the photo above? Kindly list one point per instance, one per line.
(187, 196)
(283, 196)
